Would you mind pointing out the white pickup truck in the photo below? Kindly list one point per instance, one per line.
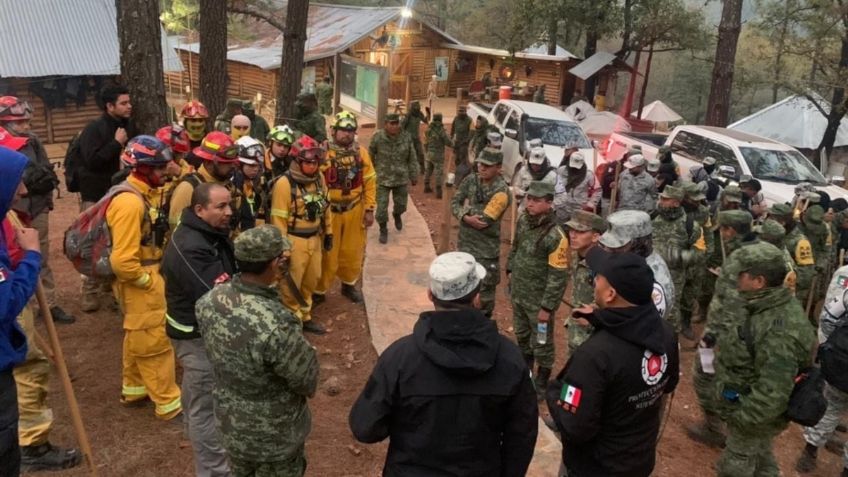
(778, 167)
(521, 121)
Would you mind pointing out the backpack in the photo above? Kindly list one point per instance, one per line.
(88, 242)
(833, 357)
(73, 163)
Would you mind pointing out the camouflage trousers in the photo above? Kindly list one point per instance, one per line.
(292, 467)
(837, 404)
(705, 291)
(695, 277)
(577, 335)
(678, 278)
(399, 199)
(524, 321)
(704, 385)
(419, 151)
(435, 167)
(747, 453)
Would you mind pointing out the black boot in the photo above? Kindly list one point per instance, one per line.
(427, 188)
(59, 316)
(439, 191)
(47, 457)
(317, 299)
(312, 327)
(384, 233)
(398, 221)
(351, 293)
(541, 381)
(709, 431)
(807, 460)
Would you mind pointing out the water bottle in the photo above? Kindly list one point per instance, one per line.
(542, 332)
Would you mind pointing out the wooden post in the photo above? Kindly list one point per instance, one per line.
(614, 193)
(337, 82)
(513, 212)
(447, 197)
(65, 378)
(407, 93)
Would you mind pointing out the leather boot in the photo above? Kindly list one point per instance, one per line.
(312, 327)
(541, 382)
(439, 191)
(384, 233)
(60, 316)
(398, 221)
(807, 460)
(47, 457)
(708, 431)
(351, 293)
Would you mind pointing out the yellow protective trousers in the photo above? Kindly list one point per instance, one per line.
(305, 270)
(149, 370)
(345, 258)
(32, 378)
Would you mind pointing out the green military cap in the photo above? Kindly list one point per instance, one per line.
(247, 105)
(536, 188)
(306, 97)
(761, 258)
(490, 157)
(732, 193)
(771, 231)
(814, 215)
(780, 210)
(672, 192)
(583, 221)
(260, 244)
(392, 118)
(437, 117)
(693, 191)
(235, 102)
(734, 218)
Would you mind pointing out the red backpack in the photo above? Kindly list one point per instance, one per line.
(88, 242)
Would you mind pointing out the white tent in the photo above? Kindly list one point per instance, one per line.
(596, 123)
(795, 121)
(658, 112)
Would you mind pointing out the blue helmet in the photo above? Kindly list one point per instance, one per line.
(146, 150)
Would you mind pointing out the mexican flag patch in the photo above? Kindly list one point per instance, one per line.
(842, 281)
(569, 397)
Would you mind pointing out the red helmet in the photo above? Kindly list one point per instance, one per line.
(307, 148)
(217, 146)
(175, 137)
(14, 109)
(194, 109)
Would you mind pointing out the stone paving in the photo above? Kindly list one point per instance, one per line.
(394, 284)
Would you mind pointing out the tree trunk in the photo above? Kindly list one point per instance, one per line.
(590, 49)
(553, 33)
(778, 57)
(838, 104)
(627, 31)
(631, 87)
(294, 40)
(140, 35)
(721, 87)
(213, 57)
(645, 81)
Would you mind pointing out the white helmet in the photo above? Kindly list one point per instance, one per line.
(250, 151)
(537, 156)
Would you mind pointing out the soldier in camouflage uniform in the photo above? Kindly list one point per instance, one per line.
(758, 362)
(412, 125)
(698, 212)
(324, 95)
(800, 249)
(538, 273)
(307, 118)
(772, 232)
(729, 199)
(223, 120)
(264, 368)
(584, 232)
(436, 139)
(813, 226)
(480, 138)
(637, 190)
(725, 312)
(393, 154)
(461, 136)
(487, 197)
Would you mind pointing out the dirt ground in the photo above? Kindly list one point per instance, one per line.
(131, 442)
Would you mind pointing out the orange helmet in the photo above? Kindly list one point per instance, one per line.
(175, 137)
(14, 109)
(306, 148)
(194, 109)
(217, 146)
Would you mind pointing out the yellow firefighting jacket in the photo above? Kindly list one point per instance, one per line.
(336, 166)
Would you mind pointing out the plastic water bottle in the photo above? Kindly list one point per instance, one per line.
(542, 332)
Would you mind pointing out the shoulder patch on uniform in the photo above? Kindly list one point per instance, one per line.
(842, 281)
(804, 253)
(559, 258)
(497, 205)
(569, 398)
(653, 367)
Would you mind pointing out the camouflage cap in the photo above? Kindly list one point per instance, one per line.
(804, 187)
(693, 191)
(260, 244)
(734, 218)
(392, 118)
(761, 258)
(576, 160)
(814, 215)
(636, 160)
(437, 117)
(490, 157)
(495, 139)
(454, 275)
(624, 226)
(672, 192)
(583, 221)
(812, 197)
(732, 193)
(780, 210)
(709, 161)
(235, 102)
(770, 230)
(653, 165)
(540, 189)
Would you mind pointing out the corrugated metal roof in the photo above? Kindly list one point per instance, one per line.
(531, 53)
(331, 29)
(56, 37)
(592, 65)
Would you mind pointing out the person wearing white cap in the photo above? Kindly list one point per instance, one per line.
(538, 168)
(576, 189)
(455, 375)
(249, 180)
(637, 190)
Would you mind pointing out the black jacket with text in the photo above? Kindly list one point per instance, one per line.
(455, 399)
(607, 400)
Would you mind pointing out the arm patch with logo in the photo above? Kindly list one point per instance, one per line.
(559, 258)
(497, 205)
(804, 253)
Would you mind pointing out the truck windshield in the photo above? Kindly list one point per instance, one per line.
(556, 133)
(782, 166)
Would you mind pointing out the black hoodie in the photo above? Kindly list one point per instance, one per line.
(455, 398)
(606, 402)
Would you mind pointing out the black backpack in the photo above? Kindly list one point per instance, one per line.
(833, 357)
(73, 163)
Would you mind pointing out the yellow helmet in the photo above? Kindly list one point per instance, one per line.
(345, 120)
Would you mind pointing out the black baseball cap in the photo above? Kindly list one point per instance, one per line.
(627, 272)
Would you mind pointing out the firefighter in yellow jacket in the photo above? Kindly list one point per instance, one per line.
(299, 208)
(352, 183)
(138, 233)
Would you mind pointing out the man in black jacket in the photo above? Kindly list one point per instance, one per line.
(607, 400)
(455, 397)
(101, 143)
(199, 255)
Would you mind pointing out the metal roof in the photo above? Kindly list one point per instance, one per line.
(55, 37)
(593, 64)
(331, 29)
(532, 53)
